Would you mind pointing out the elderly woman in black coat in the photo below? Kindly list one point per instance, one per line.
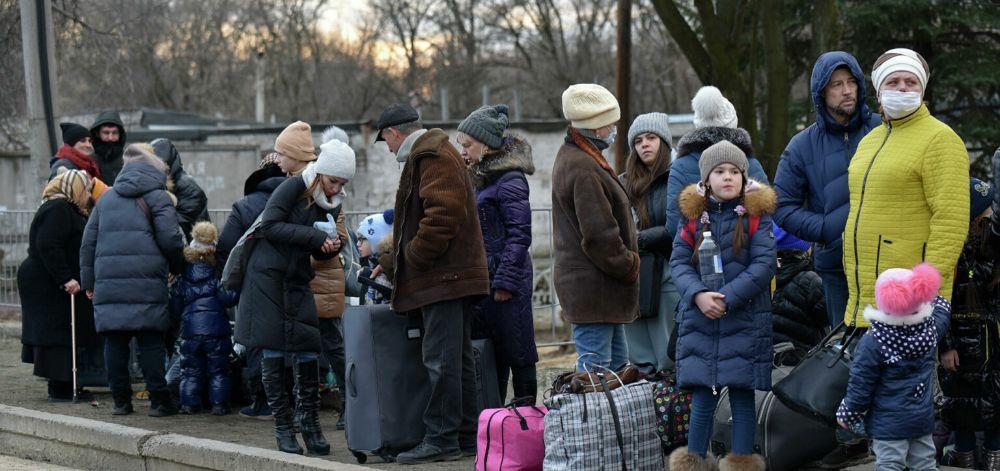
(277, 312)
(49, 277)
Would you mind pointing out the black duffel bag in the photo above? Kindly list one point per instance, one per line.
(817, 385)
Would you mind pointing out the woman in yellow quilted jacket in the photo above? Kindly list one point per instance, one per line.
(909, 187)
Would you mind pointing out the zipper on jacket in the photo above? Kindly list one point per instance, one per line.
(857, 217)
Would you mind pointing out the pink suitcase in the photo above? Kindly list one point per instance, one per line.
(511, 439)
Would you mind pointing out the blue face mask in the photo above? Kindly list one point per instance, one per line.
(610, 140)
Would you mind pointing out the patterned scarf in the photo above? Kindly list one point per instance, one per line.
(73, 186)
(905, 341)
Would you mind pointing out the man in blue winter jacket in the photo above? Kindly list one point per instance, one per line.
(813, 195)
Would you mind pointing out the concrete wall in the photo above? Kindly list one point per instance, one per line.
(220, 160)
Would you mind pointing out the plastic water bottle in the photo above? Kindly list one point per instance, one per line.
(710, 263)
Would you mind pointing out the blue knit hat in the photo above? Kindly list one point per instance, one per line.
(980, 196)
(376, 228)
(786, 241)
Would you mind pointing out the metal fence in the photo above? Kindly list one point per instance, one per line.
(549, 327)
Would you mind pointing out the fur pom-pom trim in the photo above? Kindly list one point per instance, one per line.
(900, 292)
(923, 313)
(205, 232)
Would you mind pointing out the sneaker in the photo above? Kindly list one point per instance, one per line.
(254, 412)
(220, 409)
(427, 453)
(122, 409)
(847, 455)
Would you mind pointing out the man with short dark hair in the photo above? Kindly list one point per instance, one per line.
(439, 267)
(813, 195)
(108, 136)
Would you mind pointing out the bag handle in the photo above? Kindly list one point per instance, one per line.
(591, 375)
(352, 380)
(614, 416)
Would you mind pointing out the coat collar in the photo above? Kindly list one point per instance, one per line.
(514, 155)
(759, 199)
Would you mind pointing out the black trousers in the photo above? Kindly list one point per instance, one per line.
(152, 361)
(448, 357)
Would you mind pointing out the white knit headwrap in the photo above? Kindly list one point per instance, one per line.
(907, 60)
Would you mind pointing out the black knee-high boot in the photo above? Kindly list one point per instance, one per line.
(307, 380)
(272, 375)
(525, 382)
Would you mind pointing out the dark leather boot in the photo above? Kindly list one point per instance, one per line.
(307, 382)
(272, 375)
(526, 392)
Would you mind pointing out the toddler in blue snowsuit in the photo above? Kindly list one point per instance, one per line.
(200, 301)
(890, 393)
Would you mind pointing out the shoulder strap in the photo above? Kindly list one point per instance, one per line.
(614, 417)
(689, 232)
(754, 224)
(141, 201)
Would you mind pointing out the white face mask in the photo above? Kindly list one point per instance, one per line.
(899, 104)
(610, 140)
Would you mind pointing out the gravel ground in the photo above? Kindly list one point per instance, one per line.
(18, 387)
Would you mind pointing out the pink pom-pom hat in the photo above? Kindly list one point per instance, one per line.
(905, 295)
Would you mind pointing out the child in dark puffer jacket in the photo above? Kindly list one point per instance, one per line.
(890, 393)
(798, 304)
(374, 241)
(200, 301)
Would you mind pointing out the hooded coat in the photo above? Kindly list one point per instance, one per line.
(596, 253)
(108, 154)
(192, 204)
(684, 171)
(124, 259)
(505, 217)
(909, 182)
(276, 308)
(735, 350)
(256, 191)
(811, 181)
(891, 387)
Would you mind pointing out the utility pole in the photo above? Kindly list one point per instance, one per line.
(623, 80)
(39, 82)
(259, 88)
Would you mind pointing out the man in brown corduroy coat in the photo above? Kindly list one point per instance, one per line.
(440, 269)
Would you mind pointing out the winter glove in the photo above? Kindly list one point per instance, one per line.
(329, 227)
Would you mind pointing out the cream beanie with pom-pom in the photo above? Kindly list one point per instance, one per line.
(711, 109)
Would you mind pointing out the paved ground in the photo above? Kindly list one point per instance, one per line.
(18, 387)
(10, 463)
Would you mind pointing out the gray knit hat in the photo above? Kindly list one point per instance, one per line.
(655, 123)
(486, 125)
(722, 152)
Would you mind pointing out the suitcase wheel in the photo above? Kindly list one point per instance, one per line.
(361, 457)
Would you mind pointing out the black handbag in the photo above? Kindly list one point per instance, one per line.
(817, 385)
(650, 273)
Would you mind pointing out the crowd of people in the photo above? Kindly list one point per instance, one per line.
(871, 225)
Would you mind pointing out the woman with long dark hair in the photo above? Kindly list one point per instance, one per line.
(646, 173)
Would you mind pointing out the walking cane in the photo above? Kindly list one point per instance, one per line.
(72, 331)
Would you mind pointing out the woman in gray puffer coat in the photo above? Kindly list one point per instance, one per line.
(276, 311)
(130, 246)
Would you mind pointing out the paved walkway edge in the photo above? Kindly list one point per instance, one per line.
(91, 444)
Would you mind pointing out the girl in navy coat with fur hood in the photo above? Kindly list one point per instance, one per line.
(724, 337)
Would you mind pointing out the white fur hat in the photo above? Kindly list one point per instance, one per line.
(590, 106)
(336, 159)
(711, 109)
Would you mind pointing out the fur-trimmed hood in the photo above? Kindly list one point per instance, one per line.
(759, 199)
(906, 337)
(703, 138)
(514, 155)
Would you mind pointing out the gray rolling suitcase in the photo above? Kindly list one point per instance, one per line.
(487, 387)
(387, 384)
